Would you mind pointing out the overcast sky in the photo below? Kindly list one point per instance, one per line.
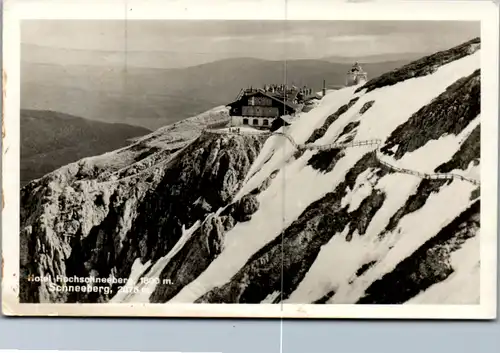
(185, 43)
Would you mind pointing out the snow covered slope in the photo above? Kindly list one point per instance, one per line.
(305, 215)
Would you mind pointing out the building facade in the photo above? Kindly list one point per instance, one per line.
(259, 107)
(252, 121)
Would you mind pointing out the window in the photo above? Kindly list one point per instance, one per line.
(245, 121)
(265, 122)
(255, 121)
(263, 101)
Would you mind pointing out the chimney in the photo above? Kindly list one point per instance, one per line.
(324, 88)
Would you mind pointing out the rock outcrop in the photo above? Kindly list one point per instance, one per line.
(72, 225)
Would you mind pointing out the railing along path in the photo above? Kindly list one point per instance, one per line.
(374, 142)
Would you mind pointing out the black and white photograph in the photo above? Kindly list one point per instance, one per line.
(261, 163)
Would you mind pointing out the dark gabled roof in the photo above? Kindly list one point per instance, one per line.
(275, 97)
(293, 105)
(280, 100)
(292, 95)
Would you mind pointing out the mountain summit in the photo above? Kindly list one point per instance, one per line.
(370, 197)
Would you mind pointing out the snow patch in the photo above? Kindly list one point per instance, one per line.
(413, 230)
(362, 189)
(146, 289)
(395, 104)
(426, 159)
(280, 204)
(339, 260)
(137, 270)
(463, 285)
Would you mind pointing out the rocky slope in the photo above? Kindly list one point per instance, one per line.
(206, 217)
(88, 210)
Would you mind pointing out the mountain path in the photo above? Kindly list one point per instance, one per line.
(374, 142)
(308, 146)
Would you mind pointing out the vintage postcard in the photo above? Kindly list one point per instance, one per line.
(298, 159)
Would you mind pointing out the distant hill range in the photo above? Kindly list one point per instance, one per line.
(157, 97)
(378, 58)
(50, 140)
